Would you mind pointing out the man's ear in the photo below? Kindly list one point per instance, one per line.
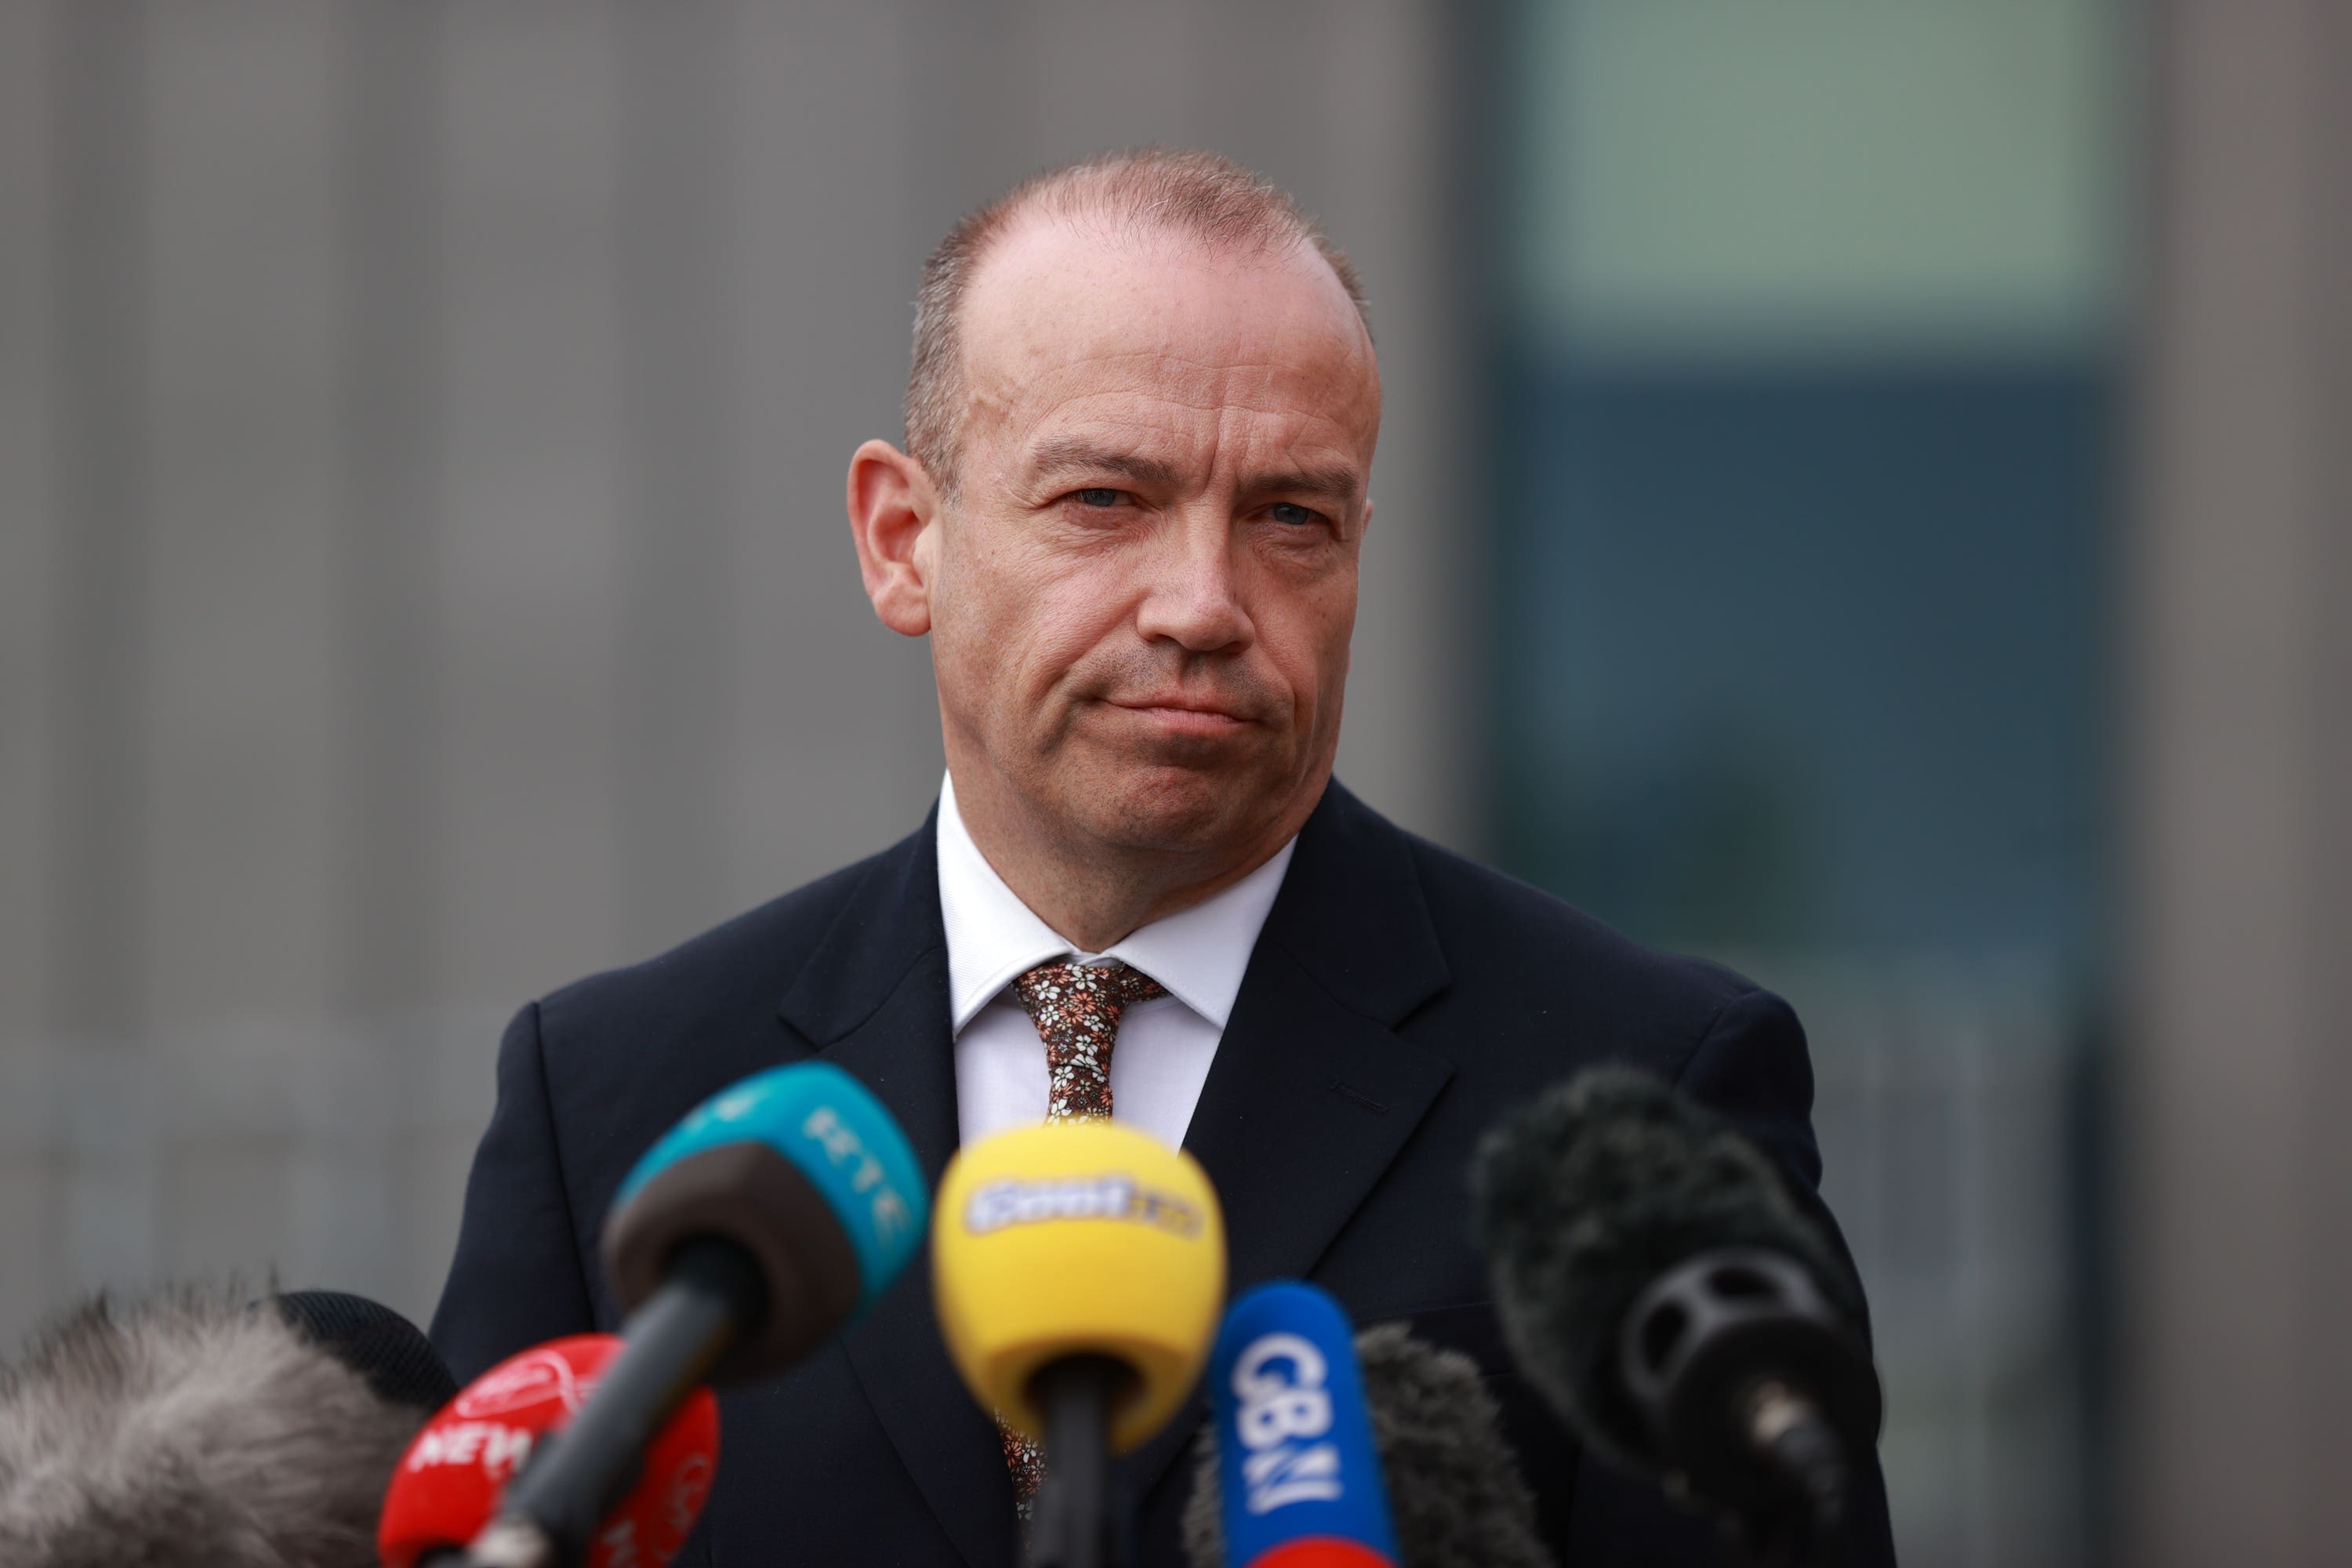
(894, 514)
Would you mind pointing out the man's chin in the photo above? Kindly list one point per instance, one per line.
(1175, 809)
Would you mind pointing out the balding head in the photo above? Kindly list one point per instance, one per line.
(1197, 197)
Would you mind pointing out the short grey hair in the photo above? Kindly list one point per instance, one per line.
(1198, 196)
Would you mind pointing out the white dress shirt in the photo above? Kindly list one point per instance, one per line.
(1161, 1056)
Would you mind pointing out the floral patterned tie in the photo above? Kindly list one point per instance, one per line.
(1077, 1009)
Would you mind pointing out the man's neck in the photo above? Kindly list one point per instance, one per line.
(1093, 894)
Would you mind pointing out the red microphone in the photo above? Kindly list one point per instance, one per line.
(448, 1483)
(1322, 1552)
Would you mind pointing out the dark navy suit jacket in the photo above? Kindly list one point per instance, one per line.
(1400, 1000)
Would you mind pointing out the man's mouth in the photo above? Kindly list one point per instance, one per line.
(1183, 714)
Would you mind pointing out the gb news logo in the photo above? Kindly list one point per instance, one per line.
(1284, 1422)
(1002, 1204)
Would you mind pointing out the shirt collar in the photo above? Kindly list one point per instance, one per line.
(1199, 954)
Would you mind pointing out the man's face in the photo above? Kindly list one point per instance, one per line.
(1143, 592)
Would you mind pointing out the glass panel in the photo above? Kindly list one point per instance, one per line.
(1806, 377)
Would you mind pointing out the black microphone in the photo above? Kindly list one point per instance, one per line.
(1454, 1491)
(1660, 1288)
(392, 1353)
(191, 1428)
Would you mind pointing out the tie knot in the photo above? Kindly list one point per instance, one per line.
(1076, 1008)
(1084, 990)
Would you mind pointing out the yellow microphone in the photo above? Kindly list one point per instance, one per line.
(1080, 1269)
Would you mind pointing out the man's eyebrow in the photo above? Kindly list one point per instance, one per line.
(1335, 482)
(1077, 454)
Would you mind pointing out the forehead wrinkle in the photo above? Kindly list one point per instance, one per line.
(1257, 395)
(1104, 439)
(1304, 368)
(1163, 329)
(1198, 383)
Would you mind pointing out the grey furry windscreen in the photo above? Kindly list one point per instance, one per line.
(190, 1428)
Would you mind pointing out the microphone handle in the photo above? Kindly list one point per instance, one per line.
(1790, 1432)
(712, 1296)
(1076, 1526)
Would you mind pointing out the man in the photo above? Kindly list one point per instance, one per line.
(1139, 436)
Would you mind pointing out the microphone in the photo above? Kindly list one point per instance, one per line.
(1659, 1287)
(1455, 1484)
(1296, 1467)
(1454, 1493)
(392, 1353)
(190, 1428)
(448, 1485)
(777, 1211)
(1078, 1268)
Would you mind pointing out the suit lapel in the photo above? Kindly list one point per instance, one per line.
(873, 999)
(1313, 1093)
(948, 1445)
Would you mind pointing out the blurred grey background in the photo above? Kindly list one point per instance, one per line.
(1863, 494)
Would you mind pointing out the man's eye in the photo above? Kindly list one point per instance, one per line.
(1290, 512)
(1097, 498)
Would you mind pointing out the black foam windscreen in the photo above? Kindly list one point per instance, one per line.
(398, 1362)
(1602, 1185)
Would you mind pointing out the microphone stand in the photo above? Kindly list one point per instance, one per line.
(549, 1516)
(1076, 1526)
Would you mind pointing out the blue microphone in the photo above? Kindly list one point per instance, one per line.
(1299, 1478)
(802, 1168)
(753, 1231)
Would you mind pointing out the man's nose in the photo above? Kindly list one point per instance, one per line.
(1193, 593)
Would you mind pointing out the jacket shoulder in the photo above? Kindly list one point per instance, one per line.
(1505, 936)
(624, 1053)
(747, 961)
